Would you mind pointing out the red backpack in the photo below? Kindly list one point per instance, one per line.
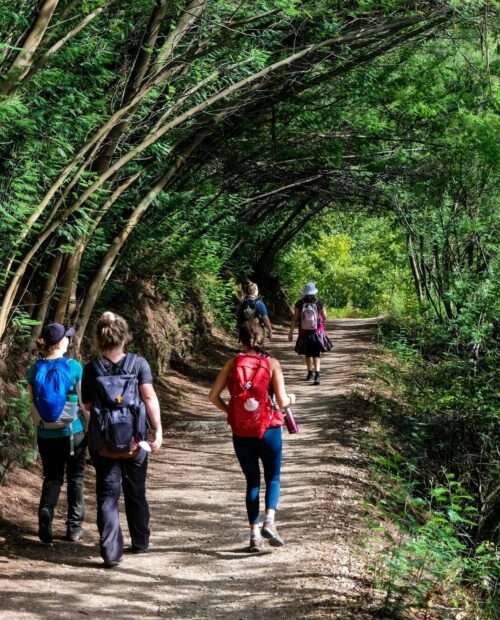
(250, 410)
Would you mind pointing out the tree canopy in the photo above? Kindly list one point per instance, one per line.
(191, 144)
(227, 128)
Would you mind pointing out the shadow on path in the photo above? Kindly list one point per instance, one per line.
(198, 566)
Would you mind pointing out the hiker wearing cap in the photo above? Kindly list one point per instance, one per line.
(54, 385)
(310, 315)
(252, 307)
(256, 426)
(117, 390)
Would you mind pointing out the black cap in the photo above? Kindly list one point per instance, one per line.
(55, 332)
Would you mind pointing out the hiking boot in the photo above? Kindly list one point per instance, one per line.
(317, 379)
(256, 544)
(45, 525)
(136, 550)
(74, 535)
(309, 376)
(270, 532)
(112, 563)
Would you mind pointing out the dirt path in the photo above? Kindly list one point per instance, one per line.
(198, 567)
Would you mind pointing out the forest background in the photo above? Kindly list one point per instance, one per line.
(156, 153)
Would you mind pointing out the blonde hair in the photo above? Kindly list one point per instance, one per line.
(111, 332)
(251, 288)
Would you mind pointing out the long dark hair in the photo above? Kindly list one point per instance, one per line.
(310, 299)
(252, 336)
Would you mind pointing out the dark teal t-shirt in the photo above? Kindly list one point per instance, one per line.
(75, 371)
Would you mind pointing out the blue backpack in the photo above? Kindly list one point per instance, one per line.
(51, 383)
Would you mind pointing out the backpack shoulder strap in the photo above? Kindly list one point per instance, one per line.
(261, 363)
(99, 367)
(129, 363)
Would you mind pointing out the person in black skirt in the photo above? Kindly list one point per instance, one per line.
(309, 316)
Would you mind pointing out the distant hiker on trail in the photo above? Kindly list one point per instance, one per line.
(117, 390)
(310, 316)
(54, 385)
(256, 425)
(254, 308)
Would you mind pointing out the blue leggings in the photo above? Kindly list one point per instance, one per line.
(268, 449)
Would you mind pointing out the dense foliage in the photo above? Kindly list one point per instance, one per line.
(191, 144)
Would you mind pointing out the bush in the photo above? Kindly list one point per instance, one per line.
(436, 455)
(16, 433)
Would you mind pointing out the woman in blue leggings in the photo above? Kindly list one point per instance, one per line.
(262, 442)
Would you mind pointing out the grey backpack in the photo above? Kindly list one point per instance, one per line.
(118, 416)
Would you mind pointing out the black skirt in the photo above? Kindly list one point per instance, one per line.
(312, 344)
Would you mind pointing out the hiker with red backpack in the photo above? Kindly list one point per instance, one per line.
(117, 390)
(310, 315)
(252, 307)
(256, 425)
(54, 386)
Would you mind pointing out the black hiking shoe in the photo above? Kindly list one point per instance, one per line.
(317, 379)
(45, 525)
(309, 376)
(136, 550)
(74, 535)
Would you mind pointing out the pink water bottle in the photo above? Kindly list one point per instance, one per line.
(290, 422)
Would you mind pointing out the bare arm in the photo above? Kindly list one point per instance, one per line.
(148, 395)
(268, 325)
(219, 386)
(33, 412)
(323, 313)
(278, 382)
(293, 323)
(86, 412)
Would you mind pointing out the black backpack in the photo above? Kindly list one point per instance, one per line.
(118, 417)
(248, 311)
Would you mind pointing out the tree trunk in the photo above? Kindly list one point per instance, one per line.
(268, 249)
(110, 261)
(67, 304)
(189, 17)
(46, 296)
(414, 269)
(23, 60)
(134, 83)
(40, 60)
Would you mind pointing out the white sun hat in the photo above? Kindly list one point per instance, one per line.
(309, 289)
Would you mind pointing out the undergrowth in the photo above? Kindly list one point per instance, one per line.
(16, 432)
(435, 460)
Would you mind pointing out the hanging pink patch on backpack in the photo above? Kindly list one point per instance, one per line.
(250, 412)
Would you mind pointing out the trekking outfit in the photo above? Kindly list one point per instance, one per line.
(61, 441)
(256, 426)
(117, 426)
(312, 339)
